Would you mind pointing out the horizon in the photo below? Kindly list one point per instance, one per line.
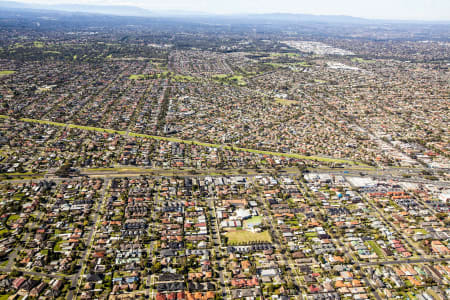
(418, 10)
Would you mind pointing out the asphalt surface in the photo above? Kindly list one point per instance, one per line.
(76, 277)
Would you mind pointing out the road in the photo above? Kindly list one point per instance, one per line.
(399, 232)
(215, 233)
(12, 256)
(277, 240)
(385, 174)
(375, 293)
(85, 255)
(348, 253)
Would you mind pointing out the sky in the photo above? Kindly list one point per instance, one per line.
(438, 10)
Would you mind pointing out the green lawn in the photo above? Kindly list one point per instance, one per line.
(276, 54)
(17, 173)
(362, 60)
(12, 218)
(239, 79)
(311, 234)
(38, 44)
(420, 230)
(230, 79)
(58, 246)
(139, 76)
(374, 246)
(95, 129)
(253, 220)
(247, 237)
(408, 283)
(6, 72)
(285, 101)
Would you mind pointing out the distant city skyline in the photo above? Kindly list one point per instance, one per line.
(432, 10)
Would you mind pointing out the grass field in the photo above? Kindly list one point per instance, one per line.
(220, 76)
(311, 234)
(58, 246)
(12, 219)
(139, 76)
(247, 237)
(230, 79)
(6, 72)
(374, 246)
(18, 173)
(420, 231)
(253, 220)
(276, 54)
(302, 64)
(38, 44)
(285, 101)
(239, 79)
(362, 60)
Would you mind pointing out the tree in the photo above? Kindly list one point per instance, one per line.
(156, 268)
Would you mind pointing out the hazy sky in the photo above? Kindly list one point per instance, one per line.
(385, 9)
